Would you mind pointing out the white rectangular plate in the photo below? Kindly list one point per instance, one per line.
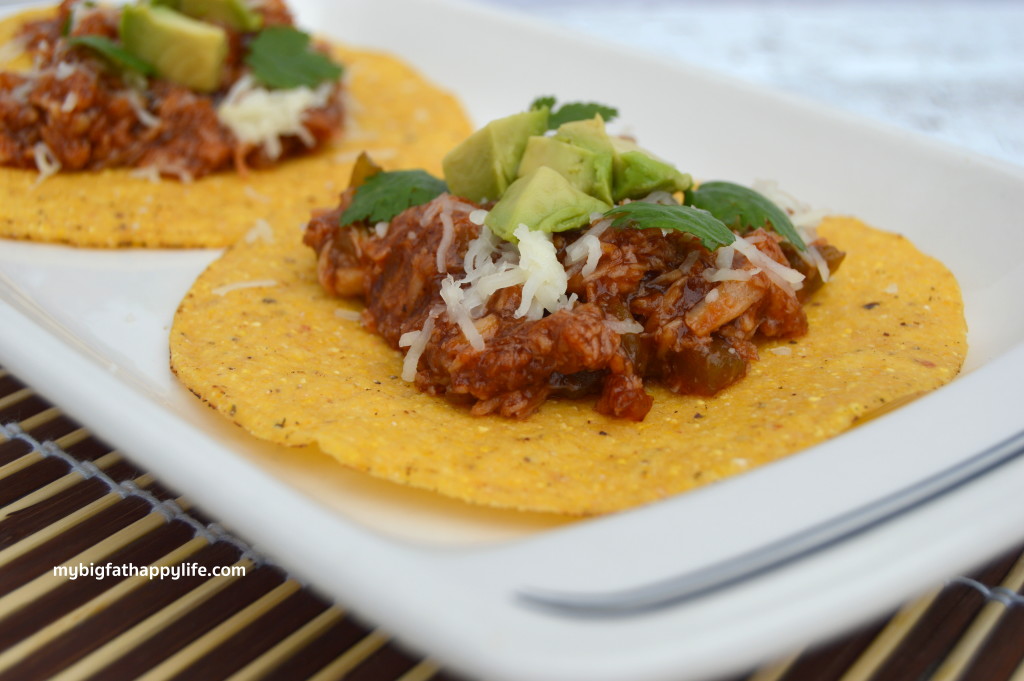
(89, 330)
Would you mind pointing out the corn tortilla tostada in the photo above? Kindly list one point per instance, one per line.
(261, 341)
(388, 107)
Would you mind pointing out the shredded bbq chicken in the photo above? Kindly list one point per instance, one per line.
(88, 116)
(643, 313)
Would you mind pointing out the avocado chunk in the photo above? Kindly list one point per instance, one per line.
(233, 13)
(544, 201)
(589, 172)
(589, 133)
(181, 49)
(485, 163)
(636, 173)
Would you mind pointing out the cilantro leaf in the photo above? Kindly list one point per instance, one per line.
(711, 231)
(112, 52)
(280, 57)
(743, 209)
(573, 111)
(385, 195)
(580, 111)
(542, 103)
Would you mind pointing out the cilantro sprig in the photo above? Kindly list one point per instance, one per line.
(281, 58)
(711, 231)
(112, 52)
(572, 111)
(386, 194)
(743, 209)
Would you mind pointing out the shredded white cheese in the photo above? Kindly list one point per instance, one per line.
(20, 93)
(454, 298)
(46, 162)
(447, 235)
(478, 216)
(183, 175)
(785, 277)
(433, 208)
(478, 259)
(80, 12)
(151, 173)
(262, 117)
(491, 264)
(70, 102)
(546, 281)
(260, 231)
(238, 285)
(723, 269)
(444, 207)
(588, 246)
(724, 257)
(691, 259)
(350, 315)
(64, 69)
(416, 341)
(813, 256)
(592, 246)
(662, 197)
(255, 195)
(622, 326)
(730, 274)
(804, 217)
(134, 98)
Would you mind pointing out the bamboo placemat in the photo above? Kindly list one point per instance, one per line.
(68, 499)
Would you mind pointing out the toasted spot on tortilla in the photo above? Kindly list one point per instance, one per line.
(297, 373)
(126, 208)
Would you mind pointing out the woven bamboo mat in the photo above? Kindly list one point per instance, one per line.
(67, 499)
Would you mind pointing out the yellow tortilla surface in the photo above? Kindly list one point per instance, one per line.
(278, 359)
(392, 112)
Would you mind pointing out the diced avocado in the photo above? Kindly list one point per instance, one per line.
(485, 163)
(589, 172)
(181, 49)
(637, 173)
(589, 133)
(543, 201)
(233, 13)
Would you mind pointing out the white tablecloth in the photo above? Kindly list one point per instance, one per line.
(953, 69)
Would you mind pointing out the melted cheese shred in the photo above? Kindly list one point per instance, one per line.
(261, 117)
(491, 264)
(416, 341)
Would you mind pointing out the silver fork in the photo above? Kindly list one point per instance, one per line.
(772, 556)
